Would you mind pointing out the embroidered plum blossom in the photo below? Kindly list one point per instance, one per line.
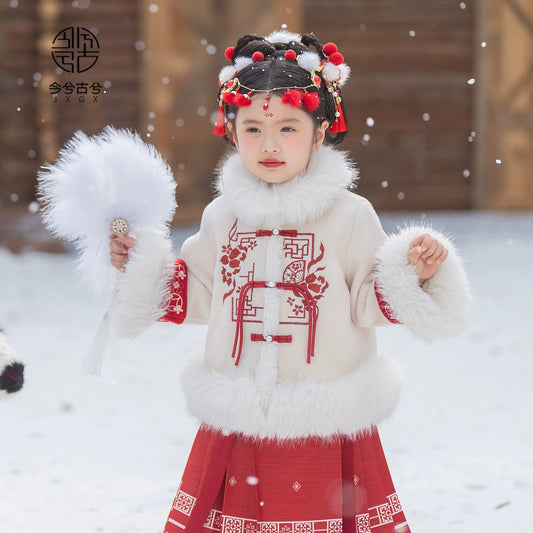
(232, 257)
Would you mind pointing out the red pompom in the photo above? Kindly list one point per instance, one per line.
(311, 101)
(293, 97)
(229, 98)
(290, 55)
(336, 58)
(242, 100)
(329, 48)
(317, 80)
(258, 56)
(228, 53)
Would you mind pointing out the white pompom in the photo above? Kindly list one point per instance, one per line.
(309, 60)
(226, 73)
(242, 62)
(283, 36)
(330, 72)
(345, 73)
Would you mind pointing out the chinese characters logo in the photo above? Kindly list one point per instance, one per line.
(75, 49)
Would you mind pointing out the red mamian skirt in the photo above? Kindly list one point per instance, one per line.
(235, 484)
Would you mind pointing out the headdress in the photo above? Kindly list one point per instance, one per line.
(326, 67)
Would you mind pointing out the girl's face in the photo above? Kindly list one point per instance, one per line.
(275, 144)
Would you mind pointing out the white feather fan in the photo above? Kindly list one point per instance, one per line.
(97, 179)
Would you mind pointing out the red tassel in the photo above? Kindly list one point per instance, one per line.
(220, 124)
(311, 101)
(340, 124)
(293, 97)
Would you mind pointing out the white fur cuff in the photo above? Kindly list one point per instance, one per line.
(438, 310)
(144, 288)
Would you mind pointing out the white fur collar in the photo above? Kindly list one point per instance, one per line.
(304, 198)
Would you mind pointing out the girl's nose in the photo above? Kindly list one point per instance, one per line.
(270, 145)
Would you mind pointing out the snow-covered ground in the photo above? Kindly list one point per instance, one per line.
(85, 455)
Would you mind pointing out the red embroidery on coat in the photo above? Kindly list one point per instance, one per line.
(301, 278)
(176, 309)
(233, 254)
(239, 268)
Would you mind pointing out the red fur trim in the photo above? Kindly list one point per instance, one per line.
(290, 55)
(228, 53)
(329, 48)
(258, 56)
(176, 310)
(336, 58)
(220, 124)
(293, 97)
(311, 101)
(384, 306)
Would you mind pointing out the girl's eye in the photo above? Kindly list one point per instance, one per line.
(287, 129)
(252, 130)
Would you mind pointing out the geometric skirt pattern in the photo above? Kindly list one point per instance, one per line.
(237, 484)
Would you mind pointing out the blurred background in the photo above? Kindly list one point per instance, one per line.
(440, 104)
(440, 110)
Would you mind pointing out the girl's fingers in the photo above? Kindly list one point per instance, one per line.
(118, 248)
(127, 240)
(413, 254)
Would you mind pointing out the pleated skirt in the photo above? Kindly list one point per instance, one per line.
(236, 484)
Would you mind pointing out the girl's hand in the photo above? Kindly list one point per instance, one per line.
(120, 246)
(426, 254)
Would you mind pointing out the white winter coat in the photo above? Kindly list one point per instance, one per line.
(295, 272)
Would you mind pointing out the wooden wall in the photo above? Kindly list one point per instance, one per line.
(41, 127)
(410, 65)
(19, 151)
(424, 138)
(504, 104)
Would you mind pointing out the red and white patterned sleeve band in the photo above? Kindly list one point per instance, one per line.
(176, 309)
(384, 306)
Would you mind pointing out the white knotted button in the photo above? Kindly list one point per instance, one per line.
(271, 284)
(269, 338)
(275, 231)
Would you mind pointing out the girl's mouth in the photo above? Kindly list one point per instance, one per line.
(271, 163)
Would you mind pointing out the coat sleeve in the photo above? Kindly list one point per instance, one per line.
(157, 287)
(366, 237)
(385, 286)
(438, 309)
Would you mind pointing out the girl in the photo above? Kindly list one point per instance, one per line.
(292, 273)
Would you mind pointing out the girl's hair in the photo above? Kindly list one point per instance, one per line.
(275, 74)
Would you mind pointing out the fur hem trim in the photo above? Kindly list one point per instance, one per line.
(439, 309)
(304, 198)
(233, 402)
(144, 288)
